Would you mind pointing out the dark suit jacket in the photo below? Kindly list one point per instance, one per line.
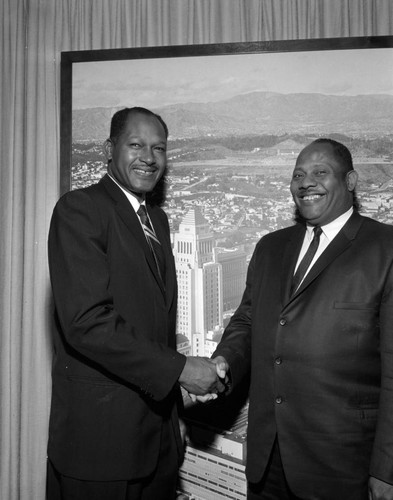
(116, 367)
(321, 361)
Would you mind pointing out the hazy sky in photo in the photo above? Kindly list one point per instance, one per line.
(154, 83)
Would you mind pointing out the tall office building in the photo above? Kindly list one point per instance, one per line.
(200, 304)
(234, 270)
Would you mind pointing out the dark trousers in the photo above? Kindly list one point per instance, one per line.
(161, 485)
(273, 485)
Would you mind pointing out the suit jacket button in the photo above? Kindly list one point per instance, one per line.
(278, 360)
(278, 400)
(283, 321)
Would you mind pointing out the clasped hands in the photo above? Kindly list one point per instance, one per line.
(204, 378)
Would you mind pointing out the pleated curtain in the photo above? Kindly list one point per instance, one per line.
(32, 37)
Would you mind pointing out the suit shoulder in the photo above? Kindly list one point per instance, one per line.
(90, 194)
(377, 227)
(86, 207)
(281, 235)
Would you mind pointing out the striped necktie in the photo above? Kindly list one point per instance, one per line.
(153, 241)
(306, 261)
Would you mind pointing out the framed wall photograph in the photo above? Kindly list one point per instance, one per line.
(238, 115)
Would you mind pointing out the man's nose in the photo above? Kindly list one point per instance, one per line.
(146, 155)
(308, 181)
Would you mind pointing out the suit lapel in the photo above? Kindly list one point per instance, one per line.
(290, 256)
(340, 243)
(130, 219)
(163, 236)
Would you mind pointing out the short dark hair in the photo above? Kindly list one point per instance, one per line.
(340, 151)
(120, 118)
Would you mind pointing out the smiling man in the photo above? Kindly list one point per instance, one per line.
(114, 432)
(315, 328)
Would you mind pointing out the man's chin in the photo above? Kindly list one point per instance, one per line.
(310, 216)
(141, 188)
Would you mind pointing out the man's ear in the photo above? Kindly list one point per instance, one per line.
(351, 180)
(108, 148)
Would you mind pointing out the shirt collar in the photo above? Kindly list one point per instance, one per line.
(331, 230)
(131, 198)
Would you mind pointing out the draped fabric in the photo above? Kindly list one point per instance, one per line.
(33, 34)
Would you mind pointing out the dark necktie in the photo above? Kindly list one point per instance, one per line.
(306, 261)
(153, 241)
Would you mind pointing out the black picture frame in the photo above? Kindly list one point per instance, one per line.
(229, 410)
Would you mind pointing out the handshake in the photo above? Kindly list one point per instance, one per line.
(204, 378)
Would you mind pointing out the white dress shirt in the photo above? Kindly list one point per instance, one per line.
(329, 232)
(135, 203)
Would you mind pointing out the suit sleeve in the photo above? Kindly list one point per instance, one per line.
(235, 345)
(382, 456)
(90, 324)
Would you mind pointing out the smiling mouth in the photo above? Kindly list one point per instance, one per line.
(311, 197)
(145, 173)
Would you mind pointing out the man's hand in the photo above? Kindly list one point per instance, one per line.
(183, 430)
(379, 490)
(222, 369)
(199, 376)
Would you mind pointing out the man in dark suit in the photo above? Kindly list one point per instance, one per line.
(320, 351)
(114, 431)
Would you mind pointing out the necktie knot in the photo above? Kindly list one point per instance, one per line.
(317, 231)
(142, 212)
